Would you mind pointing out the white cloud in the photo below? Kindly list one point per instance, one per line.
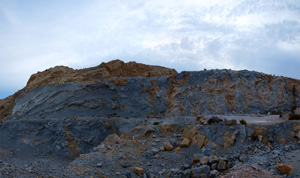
(186, 35)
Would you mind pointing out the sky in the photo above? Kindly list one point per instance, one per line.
(187, 35)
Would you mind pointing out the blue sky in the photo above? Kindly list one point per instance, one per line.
(261, 35)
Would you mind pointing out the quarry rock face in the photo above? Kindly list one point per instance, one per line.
(130, 89)
(134, 120)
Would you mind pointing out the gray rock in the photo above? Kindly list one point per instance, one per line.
(214, 173)
(204, 160)
(206, 151)
(185, 166)
(154, 150)
(212, 159)
(222, 165)
(213, 166)
(197, 171)
(186, 173)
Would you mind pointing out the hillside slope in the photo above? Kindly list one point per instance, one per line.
(130, 89)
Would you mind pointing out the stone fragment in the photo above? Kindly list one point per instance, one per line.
(138, 170)
(196, 158)
(213, 166)
(214, 173)
(154, 150)
(168, 146)
(185, 142)
(211, 145)
(213, 159)
(198, 171)
(222, 165)
(199, 140)
(178, 149)
(204, 160)
(229, 141)
(189, 132)
(285, 169)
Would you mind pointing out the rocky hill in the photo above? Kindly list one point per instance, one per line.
(134, 120)
(130, 89)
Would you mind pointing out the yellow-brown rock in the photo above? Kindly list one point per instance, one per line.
(189, 132)
(178, 149)
(285, 169)
(185, 142)
(199, 140)
(168, 146)
(115, 68)
(138, 170)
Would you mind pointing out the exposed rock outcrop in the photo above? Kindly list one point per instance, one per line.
(62, 74)
(184, 94)
(131, 120)
(116, 68)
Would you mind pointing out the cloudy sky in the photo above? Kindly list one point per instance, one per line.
(261, 35)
